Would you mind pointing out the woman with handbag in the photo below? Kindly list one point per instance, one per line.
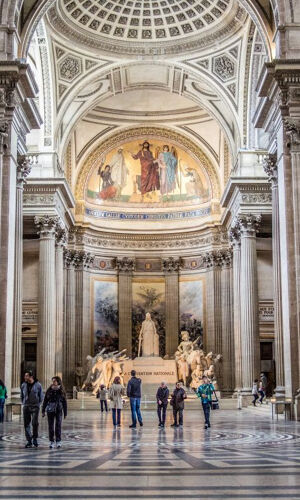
(116, 392)
(55, 405)
(205, 392)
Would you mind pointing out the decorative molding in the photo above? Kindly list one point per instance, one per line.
(125, 265)
(248, 224)
(270, 168)
(46, 225)
(61, 237)
(292, 129)
(23, 169)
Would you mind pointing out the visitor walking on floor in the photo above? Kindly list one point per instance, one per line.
(55, 405)
(255, 392)
(116, 392)
(261, 391)
(134, 393)
(205, 392)
(177, 402)
(162, 403)
(3, 396)
(31, 398)
(102, 395)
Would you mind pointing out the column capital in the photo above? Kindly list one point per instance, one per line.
(292, 130)
(235, 237)
(69, 258)
(23, 169)
(60, 237)
(82, 259)
(212, 259)
(226, 258)
(126, 264)
(270, 168)
(171, 264)
(248, 224)
(46, 225)
(3, 134)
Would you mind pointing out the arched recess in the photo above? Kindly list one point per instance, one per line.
(102, 148)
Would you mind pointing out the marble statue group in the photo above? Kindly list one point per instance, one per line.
(191, 361)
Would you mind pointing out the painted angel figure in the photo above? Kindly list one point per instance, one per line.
(168, 168)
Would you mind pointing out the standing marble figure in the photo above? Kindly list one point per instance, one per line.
(148, 338)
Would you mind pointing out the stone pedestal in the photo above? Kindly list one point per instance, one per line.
(152, 371)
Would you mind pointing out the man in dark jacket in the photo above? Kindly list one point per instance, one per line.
(134, 393)
(177, 401)
(162, 403)
(31, 397)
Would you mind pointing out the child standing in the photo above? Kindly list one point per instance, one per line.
(103, 398)
(255, 392)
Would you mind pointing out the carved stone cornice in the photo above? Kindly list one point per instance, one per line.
(248, 224)
(171, 264)
(292, 130)
(124, 265)
(23, 170)
(46, 225)
(270, 168)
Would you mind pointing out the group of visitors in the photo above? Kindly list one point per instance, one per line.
(259, 389)
(205, 392)
(54, 404)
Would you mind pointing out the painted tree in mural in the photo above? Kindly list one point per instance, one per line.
(108, 321)
(148, 299)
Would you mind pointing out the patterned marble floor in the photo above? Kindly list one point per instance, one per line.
(243, 456)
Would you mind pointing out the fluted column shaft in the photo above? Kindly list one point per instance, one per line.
(227, 331)
(59, 278)
(47, 299)
(70, 314)
(236, 264)
(213, 337)
(172, 312)
(270, 167)
(248, 225)
(82, 339)
(23, 170)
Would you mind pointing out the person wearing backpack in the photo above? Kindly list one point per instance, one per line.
(205, 392)
(55, 405)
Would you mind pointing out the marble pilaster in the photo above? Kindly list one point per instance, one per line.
(82, 303)
(213, 337)
(23, 170)
(125, 268)
(59, 279)
(227, 369)
(46, 226)
(171, 269)
(70, 315)
(248, 226)
(270, 167)
(236, 264)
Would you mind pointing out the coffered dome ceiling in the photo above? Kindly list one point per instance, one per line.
(137, 26)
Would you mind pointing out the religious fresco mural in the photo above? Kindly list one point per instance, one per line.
(152, 173)
(191, 306)
(105, 318)
(148, 295)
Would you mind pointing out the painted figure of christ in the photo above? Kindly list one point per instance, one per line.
(149, 169)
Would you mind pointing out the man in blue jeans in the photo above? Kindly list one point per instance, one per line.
(205, 392)
(134, 394)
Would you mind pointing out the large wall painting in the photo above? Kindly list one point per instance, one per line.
(191, 300)
(148, 295)
(157, 173)
(105, 318)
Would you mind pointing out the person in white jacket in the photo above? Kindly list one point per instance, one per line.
(116, 392)
(255, 392)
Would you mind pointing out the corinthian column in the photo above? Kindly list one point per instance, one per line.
(270, 167)
(59, 278)
(248, 226)
(70, 314)
(213, 336)
(171, 269)
(23, 170)
(47, 299)
(236, 264)
(226, 312)
(125, 268)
